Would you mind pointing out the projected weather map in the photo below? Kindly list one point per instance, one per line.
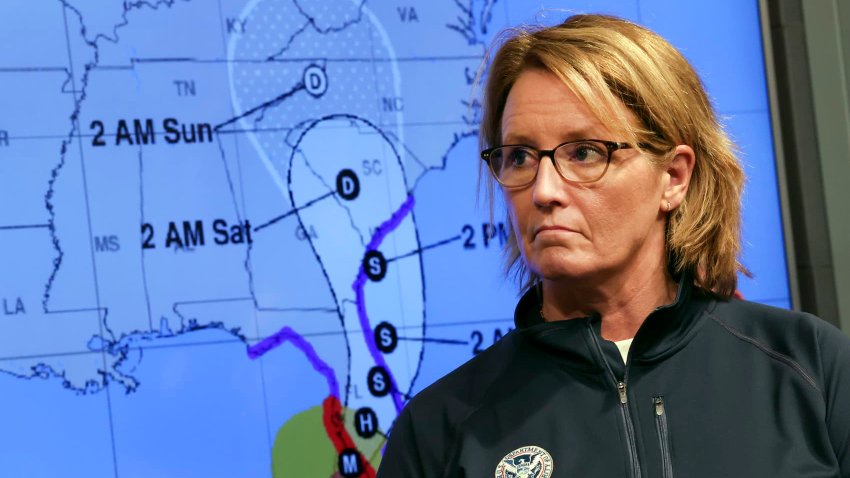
(237, 236)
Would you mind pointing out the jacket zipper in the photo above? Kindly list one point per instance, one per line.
(630, 429)
(620, 385)
(663, 436)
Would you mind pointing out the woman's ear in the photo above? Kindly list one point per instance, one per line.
(677, 177)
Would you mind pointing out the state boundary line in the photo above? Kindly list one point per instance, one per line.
(237, 340)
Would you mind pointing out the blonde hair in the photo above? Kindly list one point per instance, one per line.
(607, 61)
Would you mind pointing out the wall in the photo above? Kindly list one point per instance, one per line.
(810, 40)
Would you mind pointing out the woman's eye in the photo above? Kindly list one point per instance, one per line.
(519, 156)
(586, 153)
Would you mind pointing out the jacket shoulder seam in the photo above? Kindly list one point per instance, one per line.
(784, 359)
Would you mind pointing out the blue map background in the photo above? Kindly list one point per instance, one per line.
(117, 360)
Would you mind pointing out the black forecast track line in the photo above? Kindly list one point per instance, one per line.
(293, 211)
(425, 248)
(25, 226)
(268, 104)
(435, 341)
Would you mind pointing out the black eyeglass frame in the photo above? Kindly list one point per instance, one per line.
(610, 146)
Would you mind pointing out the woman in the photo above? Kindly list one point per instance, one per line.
(630, 356)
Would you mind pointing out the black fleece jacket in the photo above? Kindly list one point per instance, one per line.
(711, 388)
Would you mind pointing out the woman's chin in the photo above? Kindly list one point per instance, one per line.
(562, 266)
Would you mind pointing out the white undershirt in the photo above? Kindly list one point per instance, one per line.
(624, 345)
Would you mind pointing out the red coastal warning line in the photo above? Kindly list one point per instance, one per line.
(335, 428)
(331, 408)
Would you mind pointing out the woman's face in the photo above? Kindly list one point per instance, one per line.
(579, 231)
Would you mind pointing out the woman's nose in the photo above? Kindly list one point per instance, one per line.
(549, 188)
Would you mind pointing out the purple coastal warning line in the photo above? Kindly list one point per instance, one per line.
(360, 282)
(286, 334)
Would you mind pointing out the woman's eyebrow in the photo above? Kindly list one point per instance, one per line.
(586, 131)
(512, 138)
(571, 135)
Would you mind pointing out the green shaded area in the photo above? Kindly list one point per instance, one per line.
(302, 447)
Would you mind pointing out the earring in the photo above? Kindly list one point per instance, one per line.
(669, 208)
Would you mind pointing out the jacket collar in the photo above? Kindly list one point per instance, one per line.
(665, 331)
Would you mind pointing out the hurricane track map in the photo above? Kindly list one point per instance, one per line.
(238, 235)
(220, 265)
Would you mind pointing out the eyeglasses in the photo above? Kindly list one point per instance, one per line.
(579, 161)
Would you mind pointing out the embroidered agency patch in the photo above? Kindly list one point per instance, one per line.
(526, 462)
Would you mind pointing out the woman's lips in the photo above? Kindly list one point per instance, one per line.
(552, 230)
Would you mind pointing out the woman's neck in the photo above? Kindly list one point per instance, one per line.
(623, 301)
